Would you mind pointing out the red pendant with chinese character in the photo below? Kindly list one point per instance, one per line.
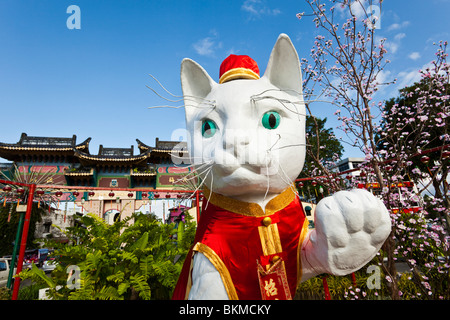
(273, 282)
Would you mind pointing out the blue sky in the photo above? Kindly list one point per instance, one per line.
(91, 82)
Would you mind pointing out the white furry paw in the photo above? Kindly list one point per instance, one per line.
(351, 226)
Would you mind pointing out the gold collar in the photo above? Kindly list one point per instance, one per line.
(251, 209)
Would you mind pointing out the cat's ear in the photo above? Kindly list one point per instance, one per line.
(195, 83)
(283, 69)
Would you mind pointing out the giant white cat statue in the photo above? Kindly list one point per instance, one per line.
(247, 142)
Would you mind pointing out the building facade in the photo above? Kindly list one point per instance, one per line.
(62, 161)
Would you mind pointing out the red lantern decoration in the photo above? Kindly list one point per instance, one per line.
(179, 195)
(58, 193)
(111, 194)
(167, 196)
(130, 195)
(314, 183)
(7, 188)
(144, 195)
(91, 193)
(40, 192)
(349, 177)
(156, 195)
(75, 193)
(445, 155)
(300, 184)
(21, 190)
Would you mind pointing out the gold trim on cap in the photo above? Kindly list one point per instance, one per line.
(251, 209)
(238, 73)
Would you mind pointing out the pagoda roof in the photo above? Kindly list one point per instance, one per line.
(112, 156)
(32, 144)
(163, 146)
(109, 156)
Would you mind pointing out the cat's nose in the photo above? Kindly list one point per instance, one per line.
(236, 143)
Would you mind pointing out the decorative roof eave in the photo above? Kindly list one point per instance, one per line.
(143, 147)
(78, 174)
(15, 147)
(143, 174)
(14, 152)
(113, 160)
(169, 151)
(84, 146)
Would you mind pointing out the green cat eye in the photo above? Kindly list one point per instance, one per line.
(271, 120)
(209, 128)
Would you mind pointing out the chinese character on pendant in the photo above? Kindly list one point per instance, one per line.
(270, 288)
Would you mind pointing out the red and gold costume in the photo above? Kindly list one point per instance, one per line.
(255, 251)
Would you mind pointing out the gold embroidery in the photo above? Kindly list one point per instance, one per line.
(270, 287)
(303, 234)
(221, 268)
(270, 239)
(189, 282)
(251, 209)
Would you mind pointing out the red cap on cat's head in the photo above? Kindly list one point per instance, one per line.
(238, 67)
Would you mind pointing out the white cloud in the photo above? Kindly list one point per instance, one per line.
(414, 55)
(399, 36)
(359, 8)
(409, 77)
(384, 76)
(396, 26)
(204, 47)
(208, 45)
(258, 8)
(393, 46)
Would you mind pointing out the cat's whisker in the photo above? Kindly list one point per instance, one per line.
(301, 94)
(292, 145)
(201, 184)
(196, 172)
(283, 102)
(289, 181)
(173, 95)
(171, 107)
(154, 78)
(162, 97)
(279, 138)
(210, 188)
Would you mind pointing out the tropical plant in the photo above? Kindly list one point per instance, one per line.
(114, 262)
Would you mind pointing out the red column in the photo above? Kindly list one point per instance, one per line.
(326, 289)
(197, 203)
(23, 243)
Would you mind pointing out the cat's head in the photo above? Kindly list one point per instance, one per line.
(247, 136)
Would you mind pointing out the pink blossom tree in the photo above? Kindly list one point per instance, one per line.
(347, 63)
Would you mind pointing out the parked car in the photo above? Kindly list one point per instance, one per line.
(49, 265)
(4, 270)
